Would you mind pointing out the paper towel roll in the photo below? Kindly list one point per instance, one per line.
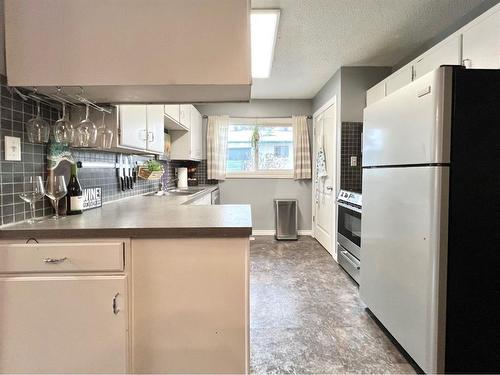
(182, 177)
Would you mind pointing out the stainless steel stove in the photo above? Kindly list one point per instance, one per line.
(349, 232)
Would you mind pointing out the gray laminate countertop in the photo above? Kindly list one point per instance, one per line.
(143, 217)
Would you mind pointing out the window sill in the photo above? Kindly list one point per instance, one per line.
(234, 176)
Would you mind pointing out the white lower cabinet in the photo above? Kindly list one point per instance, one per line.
(64, 324)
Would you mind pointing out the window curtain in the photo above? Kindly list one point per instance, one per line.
(217, 130)
(301, 149)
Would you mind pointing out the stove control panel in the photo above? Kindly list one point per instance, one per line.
(349, 197)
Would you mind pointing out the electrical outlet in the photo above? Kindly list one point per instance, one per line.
(354, 161)
(12, 148)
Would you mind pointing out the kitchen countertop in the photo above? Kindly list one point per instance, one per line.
(146, 216)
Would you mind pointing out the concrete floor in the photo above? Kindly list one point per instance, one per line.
(306, 315)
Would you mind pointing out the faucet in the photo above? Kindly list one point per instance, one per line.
(164, 186)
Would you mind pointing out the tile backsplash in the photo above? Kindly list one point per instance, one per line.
(14, 112)
(350, 145)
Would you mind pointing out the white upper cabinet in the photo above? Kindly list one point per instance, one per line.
(481, 43)
(132, 51)
(196, 133)
(476, 45)
(446, 53)
(399, 79)
(172, 112)
(185, 115)
(155, 121)
(377, 92)
(141, 127)
(187, 145)
(133, 126)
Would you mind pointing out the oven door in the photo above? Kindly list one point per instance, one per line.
(349, 229)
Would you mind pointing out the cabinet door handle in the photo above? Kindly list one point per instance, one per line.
(467, 63)
(54, 260)
(152, 137)
(116, 310)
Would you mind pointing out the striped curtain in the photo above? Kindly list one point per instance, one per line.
(301, 149)
(217, 130)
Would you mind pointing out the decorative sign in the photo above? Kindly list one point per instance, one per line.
(92, 198)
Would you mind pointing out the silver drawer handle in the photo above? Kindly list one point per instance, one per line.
(349, 259)
(116, 310)
(54, 260)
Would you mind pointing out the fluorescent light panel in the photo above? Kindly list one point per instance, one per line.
(264, 29)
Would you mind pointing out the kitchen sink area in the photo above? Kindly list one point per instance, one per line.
(180, 191)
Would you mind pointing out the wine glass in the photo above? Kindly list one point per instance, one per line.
(33, 191)
(55, 189)
(63, 128)
(104, 135)
(37, 128)
(87, 131)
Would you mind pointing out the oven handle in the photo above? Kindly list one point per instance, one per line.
(348, 258)
(349, 207)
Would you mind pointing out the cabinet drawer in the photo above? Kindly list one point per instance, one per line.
(62, 257)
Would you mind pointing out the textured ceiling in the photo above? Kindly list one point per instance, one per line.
(316, 37)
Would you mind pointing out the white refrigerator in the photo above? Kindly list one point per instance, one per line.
(408, 154)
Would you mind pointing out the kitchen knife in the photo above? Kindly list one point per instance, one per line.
(130, 172)
(120, 173)
(134, 172)
(126, 172)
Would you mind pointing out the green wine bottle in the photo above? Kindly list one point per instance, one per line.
(74, 197)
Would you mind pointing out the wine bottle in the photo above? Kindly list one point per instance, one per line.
(74, 197)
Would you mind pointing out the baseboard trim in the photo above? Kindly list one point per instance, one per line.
(271, 232)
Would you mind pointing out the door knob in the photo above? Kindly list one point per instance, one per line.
(329, 188)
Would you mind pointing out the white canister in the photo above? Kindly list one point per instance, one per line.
(182, 177)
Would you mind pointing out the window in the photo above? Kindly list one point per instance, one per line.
(260, 147)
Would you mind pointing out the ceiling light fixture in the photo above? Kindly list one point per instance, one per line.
(264, 29)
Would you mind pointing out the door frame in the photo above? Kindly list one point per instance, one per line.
(336, 180)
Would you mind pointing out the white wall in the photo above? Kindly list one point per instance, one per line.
(259, 193)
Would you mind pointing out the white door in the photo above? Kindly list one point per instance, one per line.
(324, 190)
(63, 324)
(133, 126)
(481, 44)
(156, 126)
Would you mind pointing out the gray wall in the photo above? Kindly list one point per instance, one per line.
(354, 83)
(2, 39)
(259, 193)
(349, 84)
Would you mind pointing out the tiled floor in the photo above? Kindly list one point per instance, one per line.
(306, 315)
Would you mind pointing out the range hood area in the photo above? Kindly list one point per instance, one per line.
(131, 51)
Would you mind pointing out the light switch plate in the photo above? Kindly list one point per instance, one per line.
(12, 148)
(354, 161)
